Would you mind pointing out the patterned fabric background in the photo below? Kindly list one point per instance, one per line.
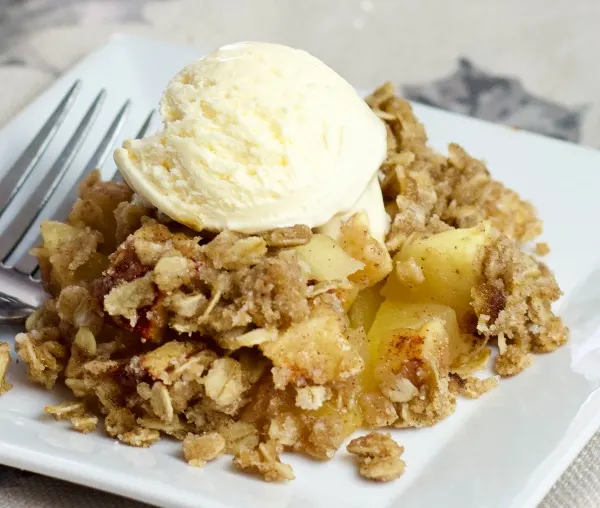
(461, 56)
(475, 92)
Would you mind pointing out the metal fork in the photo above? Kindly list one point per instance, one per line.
(20, 290)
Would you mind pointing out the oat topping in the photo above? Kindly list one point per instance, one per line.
(542, 249)
(472, 387)
(198, 450)
(224, 382)
(378, 410)
(84, 423)
(125, 299)
(312, 397)
(289, 340)
(378, 457)
(264, 460)
(288, 237)
(76, 413)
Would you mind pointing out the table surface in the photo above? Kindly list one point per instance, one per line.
(527, 64)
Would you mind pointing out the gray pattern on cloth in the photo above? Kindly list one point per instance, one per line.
(20, 18)
(474, 92)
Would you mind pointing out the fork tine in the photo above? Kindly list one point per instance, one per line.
(14, 232)
(144, 128)
(27, 264)
(21, 169)
(105, 146)
(117, 178)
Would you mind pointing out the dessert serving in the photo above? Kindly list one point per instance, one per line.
(286, 264)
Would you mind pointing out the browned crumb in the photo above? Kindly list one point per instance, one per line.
(122, 424)
(542, 249)
(378, 457)
(198, 450)
(119, 421)
(4, 362)
(472, 387)
(512, 361)
(288, 237)
(76, 413)
(65, 410)
(378, 410)
(84, 423)
(95, 208)
(45, 359)
(139, 437)
(264, 460)
(315, 351)
(513, 302)
(427, 408)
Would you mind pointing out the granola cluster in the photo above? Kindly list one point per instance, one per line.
(244, 344)
(378, 457)
(158, 280)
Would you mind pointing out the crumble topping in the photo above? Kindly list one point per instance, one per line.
(264, 460)
(542, 249)
(378, 457)
(76, 412)
(198, 450)
(242, 344)
(472, 387)
(513, 302)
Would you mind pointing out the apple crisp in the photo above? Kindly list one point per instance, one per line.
(289, 340)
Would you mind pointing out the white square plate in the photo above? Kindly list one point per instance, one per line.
(504, 450)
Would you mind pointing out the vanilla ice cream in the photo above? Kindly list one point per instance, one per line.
(258, 136)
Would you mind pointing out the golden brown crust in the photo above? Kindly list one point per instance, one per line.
(378, 457)
(293, 236)
(76, 412)
(198, 450)
(513, 302)
(264, 460)
(472, 387)
(542, 249)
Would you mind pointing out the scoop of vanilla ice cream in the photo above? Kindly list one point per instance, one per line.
(256, 136)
